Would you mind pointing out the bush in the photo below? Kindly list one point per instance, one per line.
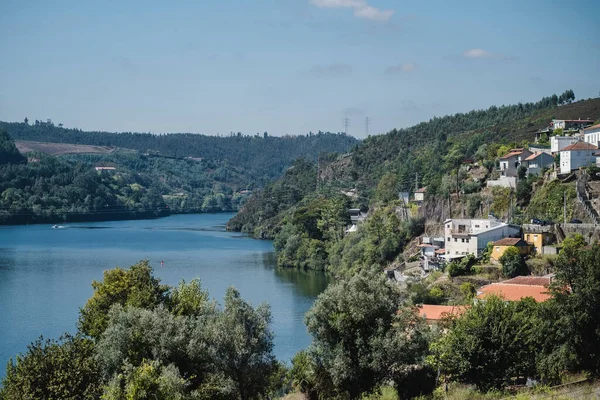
(513, 264)
(462, 267)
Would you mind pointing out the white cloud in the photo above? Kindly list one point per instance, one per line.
(361, 8)
(405, 67)
(484, 54)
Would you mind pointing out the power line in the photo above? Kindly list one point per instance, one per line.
(346, 123)
(367, 122)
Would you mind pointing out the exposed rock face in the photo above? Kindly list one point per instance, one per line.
(335, 170)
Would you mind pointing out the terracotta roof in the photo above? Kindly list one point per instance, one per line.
(592, 127)
(440, 251)
(580, 146)
(534, 156)
(510, 242)
(513, 292)
(530, 280)
(427, 245)
(511, 154)
(435, 313)
(421, 190)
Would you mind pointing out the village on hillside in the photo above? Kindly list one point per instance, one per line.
(566, 151)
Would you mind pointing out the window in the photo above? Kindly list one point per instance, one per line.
(476, 226)
(463, 240)
(448, 239)
(534, 237)
(455, 240)
(497, 248)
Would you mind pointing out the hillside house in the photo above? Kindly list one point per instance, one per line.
(577, 155)
(538, 236)
(471, 236)
(500, 246)
(570, 124)
(517, 289)
(536, 163)
(420, 194)
(510, 163)
(434, 313)
(557, 143)
(356, 216)
(592, 134)
(105, 168)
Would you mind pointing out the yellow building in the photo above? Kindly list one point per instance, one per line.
(539, 240)
(501, 245)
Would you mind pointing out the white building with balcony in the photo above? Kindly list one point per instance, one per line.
(471, 236)
(557, 143)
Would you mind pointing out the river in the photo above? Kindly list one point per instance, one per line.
(46, 273)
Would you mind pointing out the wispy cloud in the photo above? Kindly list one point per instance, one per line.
(484, 54)
(400, 68)
(330, 70)
(362, 9)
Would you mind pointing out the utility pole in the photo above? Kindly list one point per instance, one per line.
(564, 207)
(346, 123)
(367, 122)
(416, 181)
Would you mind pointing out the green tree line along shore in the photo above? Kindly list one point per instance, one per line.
(52, 189)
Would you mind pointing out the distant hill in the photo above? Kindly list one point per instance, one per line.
(263, 157)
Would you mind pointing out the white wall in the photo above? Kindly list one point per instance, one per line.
(572, 160)
(557, 143)
(592, 136)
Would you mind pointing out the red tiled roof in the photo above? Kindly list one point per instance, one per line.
(580, 146)
(510, 242)
(440, 251)
(512, 292)
(435, 313)
(592, 127)
(530, 280)
(534, 156)
(421, 190)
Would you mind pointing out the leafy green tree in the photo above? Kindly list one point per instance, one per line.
(513, 264)
(150, 380)
(190, 299)
(359, 338)
(9, 154)
(243, 343)
(489, 345)
(135, 287)
(53, 370)
(387, 189)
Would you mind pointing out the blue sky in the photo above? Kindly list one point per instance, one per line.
(287, 66)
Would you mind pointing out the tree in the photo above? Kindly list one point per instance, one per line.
(359, 340)
(489, 345)
(513, 264)
(243, 344)
(190, 299)
(135, 287)
(26, 121)
(64, 369)
(387, 189)
(9, 154)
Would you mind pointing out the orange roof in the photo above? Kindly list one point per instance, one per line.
(435, 313)
(580, 146)
(534, 156)
(510, 242)
(511, 154)
(530, 280)
(513, 292)
(440, 251)
(421, 190)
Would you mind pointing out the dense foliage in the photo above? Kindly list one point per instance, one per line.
(263, 157)
(49, 189)
(152, 341)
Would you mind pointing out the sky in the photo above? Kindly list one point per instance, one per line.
(287, 66)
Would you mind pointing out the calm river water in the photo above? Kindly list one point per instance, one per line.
(45, 273)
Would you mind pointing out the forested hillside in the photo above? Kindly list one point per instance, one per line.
(262, 156)
(431, 154)
(49, 189)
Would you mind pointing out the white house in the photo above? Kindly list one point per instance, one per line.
(557, 143)
(592, 135)
(356, 216)
(570, 124)
(577, 155)
(420, 194)
(471, 236)
(536, 163)
(404, 196)
(510, 163)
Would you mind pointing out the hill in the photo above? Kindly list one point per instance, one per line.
(56, 149)
(263, 157)
(431, 154)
